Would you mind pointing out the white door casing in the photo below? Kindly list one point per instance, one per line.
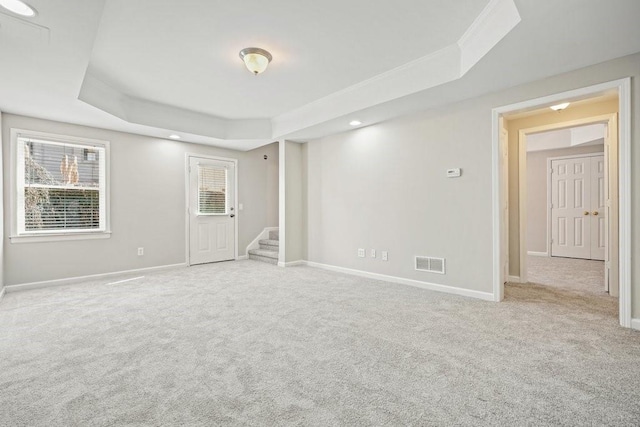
(211, 210)
(578, 219)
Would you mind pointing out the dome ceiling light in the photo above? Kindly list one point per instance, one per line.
(255, 59)
(18, 7)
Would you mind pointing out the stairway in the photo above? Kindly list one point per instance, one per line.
(269, 249)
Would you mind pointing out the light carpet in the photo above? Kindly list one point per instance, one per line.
(582, 275)
(247, 343)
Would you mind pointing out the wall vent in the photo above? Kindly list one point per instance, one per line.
(430, 264)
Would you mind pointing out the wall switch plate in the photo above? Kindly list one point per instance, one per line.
(140, 251)
(454, 172)
(240, 207)
(373, 253)
(385, 256)
(361, 253)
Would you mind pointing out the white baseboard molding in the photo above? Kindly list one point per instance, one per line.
(241, 257)
(635, 324)
(534, 253)
(486, 296)
(292, 263)
(513, 279)
(2, 292)
(71, 280)
(255, 243)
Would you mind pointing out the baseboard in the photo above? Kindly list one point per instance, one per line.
(241, 257)
(635, 324)
(513, 279)
(255, 243)
(534, 253)
(486, 296)
(292, 263)
(71, 280)
(2, 292)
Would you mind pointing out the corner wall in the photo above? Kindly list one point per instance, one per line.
(384, 186)
(148, 208)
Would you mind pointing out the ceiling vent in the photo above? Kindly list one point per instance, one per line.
(430, 264)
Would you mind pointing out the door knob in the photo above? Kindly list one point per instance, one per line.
(586, 212)
(232, 215)
(595, 213)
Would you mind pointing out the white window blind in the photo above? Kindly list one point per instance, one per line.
(212, 190)
(61, 186)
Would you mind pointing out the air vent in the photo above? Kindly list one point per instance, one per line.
(430, 264)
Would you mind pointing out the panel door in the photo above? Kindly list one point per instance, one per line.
(571, 204)
(598, 220)
(211, 210)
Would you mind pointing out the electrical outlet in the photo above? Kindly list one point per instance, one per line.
(140, 251)
(385, 256)
(373, 253)
(361, 253)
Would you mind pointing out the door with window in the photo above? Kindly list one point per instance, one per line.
(578, 217)
(212, 218)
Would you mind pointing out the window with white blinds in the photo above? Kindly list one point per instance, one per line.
(60, 186)
(212, 190)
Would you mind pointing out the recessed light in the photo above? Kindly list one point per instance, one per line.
(355, 122)
(18, 7)
(174, 136)
(560, 106)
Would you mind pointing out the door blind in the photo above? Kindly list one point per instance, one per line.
(212, 190)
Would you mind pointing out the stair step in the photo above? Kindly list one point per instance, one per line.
(264, 253)
(274, 235)
(271, 245)
(264, 259)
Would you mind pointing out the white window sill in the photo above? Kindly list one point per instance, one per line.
(40, 238)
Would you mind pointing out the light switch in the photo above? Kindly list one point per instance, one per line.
(240, 207)
(454, 172)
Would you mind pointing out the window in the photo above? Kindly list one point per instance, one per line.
(212, 190)
(60, 185)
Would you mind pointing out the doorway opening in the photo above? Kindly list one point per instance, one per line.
(575, 207)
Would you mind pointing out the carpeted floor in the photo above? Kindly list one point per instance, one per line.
(246, 343)
(580, 275)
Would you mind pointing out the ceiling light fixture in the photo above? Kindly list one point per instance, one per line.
(255, 59)
(560, 106)
(174, 136)
(355, 122)
(18, 7)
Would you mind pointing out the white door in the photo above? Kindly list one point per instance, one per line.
(211, 210)
(578, 222)
(598, 221)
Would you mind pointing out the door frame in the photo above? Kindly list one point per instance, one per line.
(187, 158)
(550, 196)
(623, 87)
(522, 178)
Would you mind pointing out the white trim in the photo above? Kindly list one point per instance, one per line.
(187, 156)
(79, 279)
(255, 243)
(281, 201)
(105, 197)
(499, 229)
(623, 86)
(2, 292)
(486, 296)
(514, 279)
(635, 324)
(242, 257)
(292, 263)
(534, 253)
(40, 238)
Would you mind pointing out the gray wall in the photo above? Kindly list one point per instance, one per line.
(294, 206)
(147, 189)
(384, 186)
(537, 231)
(1, 210)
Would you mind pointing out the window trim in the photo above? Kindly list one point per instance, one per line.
(48, 236)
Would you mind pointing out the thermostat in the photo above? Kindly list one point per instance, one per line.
(454, 173)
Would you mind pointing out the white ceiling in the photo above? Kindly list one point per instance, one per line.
(156, 67)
